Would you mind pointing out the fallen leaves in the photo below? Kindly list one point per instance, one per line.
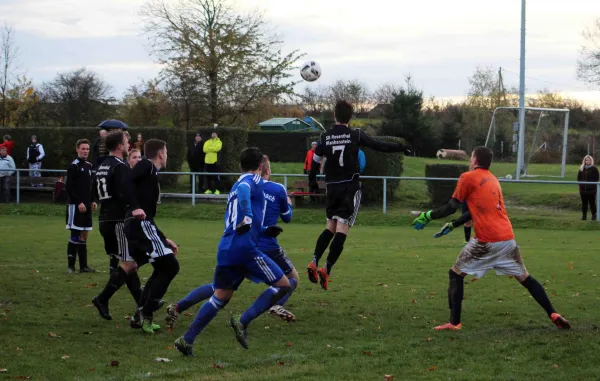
(66, 357)
(22, 377)
(555, 366)
(367, 353)
(87, 332)
(414, 301)
(474, 280)
(161, 359)
(114, 363)
(188, 314)
(90, 285)
(289, 344)
(428, 339)
(570, 265)
(388, 377)
(280, 363)
(431, 368)
(217, 366)
(53, 335)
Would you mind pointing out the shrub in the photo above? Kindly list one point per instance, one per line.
(382, 164)
(440, 192)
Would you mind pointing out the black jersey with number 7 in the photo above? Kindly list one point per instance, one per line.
(109, 182)
(340, 146)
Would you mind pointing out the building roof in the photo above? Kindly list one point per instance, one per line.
(280, 122)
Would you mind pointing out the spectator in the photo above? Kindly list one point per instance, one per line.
(35, 154)
(308, 160)
(99, 148)
(211, 161)
(195, 159)
(588, 173)
(7, 169)
(8, 143)
(139, 144)
(133, 157)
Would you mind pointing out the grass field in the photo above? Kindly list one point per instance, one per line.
(388, 291)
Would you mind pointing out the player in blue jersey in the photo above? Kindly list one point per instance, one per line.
(277, 205)
(238, 256)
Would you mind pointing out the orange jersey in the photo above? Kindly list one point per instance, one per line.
(483, 194)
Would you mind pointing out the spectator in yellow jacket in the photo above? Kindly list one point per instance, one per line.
(212, 147)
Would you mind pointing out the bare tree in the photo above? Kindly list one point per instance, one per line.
(9, 53)
(588, 64)
(385, 93)
(77, 98)
(236, 60)
(314, 99)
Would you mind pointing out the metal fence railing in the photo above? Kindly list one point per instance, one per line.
(194, 196)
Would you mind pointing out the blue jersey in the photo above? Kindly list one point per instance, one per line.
(246, 200)
(277, 205)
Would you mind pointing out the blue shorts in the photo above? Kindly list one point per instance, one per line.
(281, 259)
(258, 268)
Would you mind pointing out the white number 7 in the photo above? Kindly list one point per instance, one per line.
(340, 148)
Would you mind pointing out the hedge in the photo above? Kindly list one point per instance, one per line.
(234, 141)
(381, 164)
(288, 147)
(440, 192)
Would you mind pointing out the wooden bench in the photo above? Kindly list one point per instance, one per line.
(25, 182)
(301, 191)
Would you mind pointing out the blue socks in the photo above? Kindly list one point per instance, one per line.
(284, 300)
(206, 313)
(265, 301)
(196, 296)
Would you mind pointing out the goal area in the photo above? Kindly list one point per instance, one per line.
(546, 138)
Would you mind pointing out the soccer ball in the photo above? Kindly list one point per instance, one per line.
(509, 177)
(310, 71)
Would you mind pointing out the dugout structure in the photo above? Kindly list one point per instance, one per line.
(534, 142)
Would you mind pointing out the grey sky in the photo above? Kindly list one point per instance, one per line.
(439, 43)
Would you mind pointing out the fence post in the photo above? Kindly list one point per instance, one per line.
(193, 189)
(285, 183)
(598, 201)
(384, 195)
(18, 187)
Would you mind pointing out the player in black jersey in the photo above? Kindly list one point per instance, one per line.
(79, 207)
(147, 244)
(340, 146)
(109, 182)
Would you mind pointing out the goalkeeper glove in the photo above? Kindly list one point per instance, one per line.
(273, 231)
(422, 220)
(445, 230)
(244, 226)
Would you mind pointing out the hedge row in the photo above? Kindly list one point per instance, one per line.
(288, 147)
(440, 192)
(382, 164)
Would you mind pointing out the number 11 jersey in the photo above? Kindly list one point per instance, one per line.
(109, 180)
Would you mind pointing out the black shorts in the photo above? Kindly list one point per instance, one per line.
(144, 241)
(343, 201)
(77, 220)
(115, 242)
(281, 259)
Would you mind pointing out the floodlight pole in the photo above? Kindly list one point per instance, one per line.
(521, 150)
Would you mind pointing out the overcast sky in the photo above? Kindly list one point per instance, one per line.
(439, 42)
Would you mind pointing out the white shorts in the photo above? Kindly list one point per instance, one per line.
(477, 258)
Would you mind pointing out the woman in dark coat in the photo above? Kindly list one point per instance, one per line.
(588, 173)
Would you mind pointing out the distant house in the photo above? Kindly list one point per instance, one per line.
(285, 124)
(380, 111)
